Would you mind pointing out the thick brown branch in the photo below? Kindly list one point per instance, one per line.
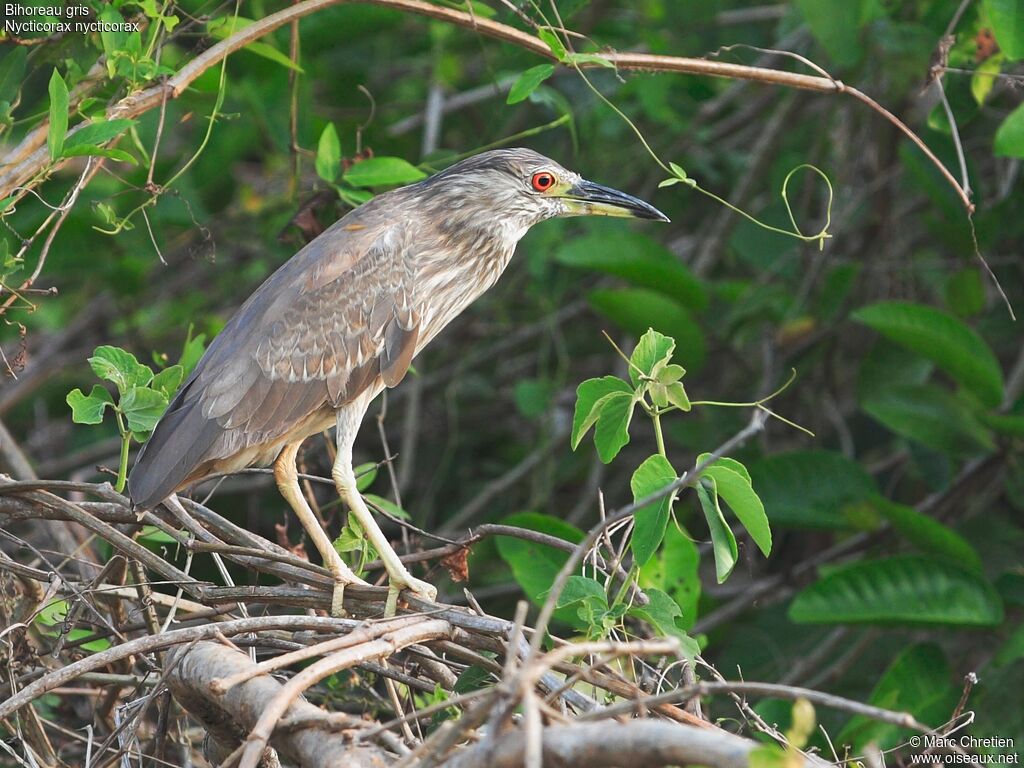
(639, 744)
(229, 716)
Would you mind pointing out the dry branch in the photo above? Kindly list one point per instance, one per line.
(638, 744)
(229, 716)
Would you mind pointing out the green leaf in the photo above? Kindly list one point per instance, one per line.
(1007, 18)
(528, 82)
(365, 475)
(661, 613)
(588, 394)
(810, 489)
(734, 486)
(534, 566)
(674, 570)
(725, 461)
(91, 150)
(653, 348)
(612, 431)
(887, 365)
(150, 534)
(933, 417)
(676, 395)
(94, 134)
(582, 589)
(945, 340)
(192, 351)
(12, 72)
(984, 77)
(387, 506)
(120, 367)
(112, 36)
(909, 590)
(88, 409)
(168, 380)
(723, 541)
(382, 171)
(142, 408)
(1010, 135)
(553, 41)
(768, 756)
(328, 154)
(636, 310)
(473, 678)
(929, 535)
(52, 613)
(224, 27)
(58, 116)
(917, 681)
(351, 539)
(650, 521)
(638, 259)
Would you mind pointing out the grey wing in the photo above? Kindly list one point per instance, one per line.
(317, 333)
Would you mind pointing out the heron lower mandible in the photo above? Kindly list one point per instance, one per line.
(342, 320)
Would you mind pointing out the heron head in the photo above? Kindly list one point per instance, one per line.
(525, 185)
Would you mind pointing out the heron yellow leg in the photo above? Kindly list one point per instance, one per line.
(399, 577)
(287, 476)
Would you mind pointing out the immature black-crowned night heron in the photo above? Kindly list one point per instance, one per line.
(342, 319)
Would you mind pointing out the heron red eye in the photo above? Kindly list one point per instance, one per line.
(543, 181)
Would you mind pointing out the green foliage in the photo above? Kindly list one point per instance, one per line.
(903, 400)
(723, 540)
(937, 336)
(933, 417)
(58, 116)
(142, 397)
(639, 260)
(534, 565)
(50, 621)
(1008, 25)
(328, 154)
(655, 384)
(1009, 141)
(528, 82)
(382, 172)
(732, 483)
(651, 520)
(811, 489)
(929, 536)
(918, 682)
(633, 309)
(909, 590)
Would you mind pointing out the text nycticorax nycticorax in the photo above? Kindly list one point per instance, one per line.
(342, 320)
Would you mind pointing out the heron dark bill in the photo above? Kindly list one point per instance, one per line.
(342, 320)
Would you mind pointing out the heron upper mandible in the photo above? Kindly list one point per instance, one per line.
(342, 319)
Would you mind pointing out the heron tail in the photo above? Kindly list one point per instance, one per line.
(181, 439)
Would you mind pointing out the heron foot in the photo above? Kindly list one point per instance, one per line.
(398, 582)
